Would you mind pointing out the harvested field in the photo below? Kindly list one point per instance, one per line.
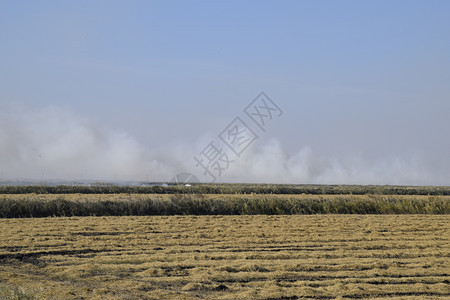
(226, 257)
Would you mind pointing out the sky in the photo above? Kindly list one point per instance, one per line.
(136, 90)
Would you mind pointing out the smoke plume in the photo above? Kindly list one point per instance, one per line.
(55, 143)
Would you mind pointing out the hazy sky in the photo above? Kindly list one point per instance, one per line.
(133, 90)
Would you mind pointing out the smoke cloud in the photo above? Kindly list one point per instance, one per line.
(272, 164)
(55, 143)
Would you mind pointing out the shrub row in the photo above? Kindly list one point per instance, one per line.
(229, 189)
(183, 204)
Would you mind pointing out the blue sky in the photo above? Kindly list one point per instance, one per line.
(363, 84)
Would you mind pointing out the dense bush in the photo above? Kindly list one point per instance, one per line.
(198, 204)
(229, 189)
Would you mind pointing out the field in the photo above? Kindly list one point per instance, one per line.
(328, 256)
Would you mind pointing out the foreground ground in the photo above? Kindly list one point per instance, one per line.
(226, 257)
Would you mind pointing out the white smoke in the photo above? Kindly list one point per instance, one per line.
(270, 163)
(54, 143)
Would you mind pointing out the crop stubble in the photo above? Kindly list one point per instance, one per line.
(226, 257)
